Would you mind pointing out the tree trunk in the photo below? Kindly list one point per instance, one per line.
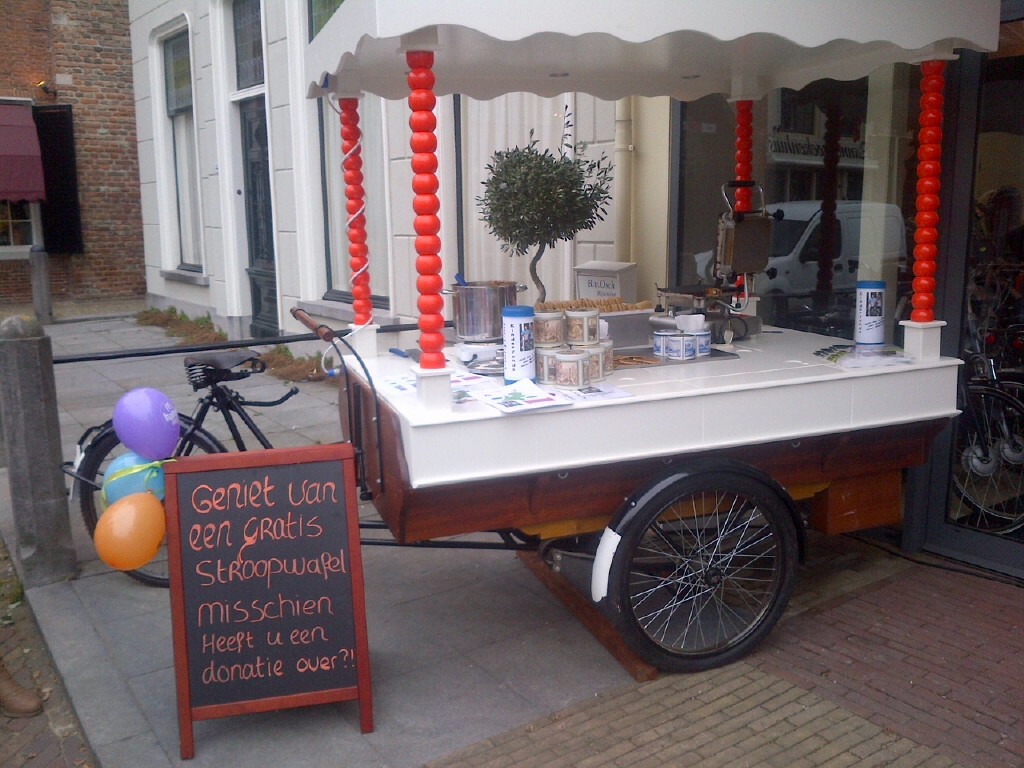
(541, 291)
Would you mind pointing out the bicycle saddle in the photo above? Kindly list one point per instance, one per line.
(222, 360)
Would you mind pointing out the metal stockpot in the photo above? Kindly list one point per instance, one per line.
(477, 308)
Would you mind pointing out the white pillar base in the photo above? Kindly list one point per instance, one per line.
(434, 388)
(921, 340)
(363, 339)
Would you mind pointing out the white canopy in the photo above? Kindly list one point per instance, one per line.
(615, 48)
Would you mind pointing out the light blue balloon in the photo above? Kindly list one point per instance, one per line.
(131, 473)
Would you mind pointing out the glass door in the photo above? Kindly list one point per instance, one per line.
(981, 517)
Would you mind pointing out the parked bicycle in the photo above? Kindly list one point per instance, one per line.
(100, 445)
(988, 465)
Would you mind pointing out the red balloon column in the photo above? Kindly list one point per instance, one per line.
(426, 205)
(929, 155)
(744, 153)
(352, 163)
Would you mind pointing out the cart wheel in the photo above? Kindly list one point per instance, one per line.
(705, 567)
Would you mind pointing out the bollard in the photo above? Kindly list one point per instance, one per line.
(28, 411)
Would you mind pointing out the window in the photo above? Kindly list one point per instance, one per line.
(248, 43)
(15, 223)
(178, 82)
(338, 264)
(796, 112)
(320, 11)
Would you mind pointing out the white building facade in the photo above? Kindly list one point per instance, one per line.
(243, 194)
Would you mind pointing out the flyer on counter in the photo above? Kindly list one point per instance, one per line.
(520, 396)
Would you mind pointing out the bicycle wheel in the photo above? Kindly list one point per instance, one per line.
(705, 568)
(101, 451)
(988, 462)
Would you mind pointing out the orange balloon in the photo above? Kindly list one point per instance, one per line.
(130, 532)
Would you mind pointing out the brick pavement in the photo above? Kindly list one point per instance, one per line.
(54, 738)
(921, 668)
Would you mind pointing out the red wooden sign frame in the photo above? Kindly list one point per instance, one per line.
(187, 713)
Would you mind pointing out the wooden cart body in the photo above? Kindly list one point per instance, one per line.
(840, 437)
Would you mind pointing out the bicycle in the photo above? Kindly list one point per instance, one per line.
(99, 444)
(988, 465)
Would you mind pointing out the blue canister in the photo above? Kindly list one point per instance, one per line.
(517, 339)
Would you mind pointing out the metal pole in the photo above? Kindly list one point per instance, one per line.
(42, 303)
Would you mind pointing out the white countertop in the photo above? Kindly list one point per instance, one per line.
(776, 388)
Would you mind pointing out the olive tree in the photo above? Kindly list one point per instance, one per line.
(533, 199)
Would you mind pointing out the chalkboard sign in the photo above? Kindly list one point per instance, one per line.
(266, 583)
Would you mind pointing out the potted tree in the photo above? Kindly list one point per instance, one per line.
(533, 199)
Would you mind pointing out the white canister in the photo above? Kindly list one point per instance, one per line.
(549, 329)
(517, 340)
(596, 353)
(609, 356)
(703, 342)
(870, 326)
(572, 369)
(547, 363)
(582, 326)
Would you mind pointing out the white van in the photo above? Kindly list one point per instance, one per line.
(871, 232)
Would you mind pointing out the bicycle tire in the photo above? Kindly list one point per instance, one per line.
(988, 462)
(107, 446)
(704, 570)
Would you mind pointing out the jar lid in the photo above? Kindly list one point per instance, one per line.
(516, 310)
(572, 354)
(583, 312)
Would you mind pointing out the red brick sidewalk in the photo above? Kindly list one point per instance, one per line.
(52, 739)
(879, 662)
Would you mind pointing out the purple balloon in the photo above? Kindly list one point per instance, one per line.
(146, 421)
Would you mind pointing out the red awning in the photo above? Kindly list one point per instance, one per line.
(21, 167)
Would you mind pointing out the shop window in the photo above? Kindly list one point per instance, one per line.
(180, 113)
(248, 43)
(846, 198)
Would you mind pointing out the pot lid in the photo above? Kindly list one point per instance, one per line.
(612, 49)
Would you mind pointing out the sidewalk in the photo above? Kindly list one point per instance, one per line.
(879, 661)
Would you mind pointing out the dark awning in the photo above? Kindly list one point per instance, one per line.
(21, 167)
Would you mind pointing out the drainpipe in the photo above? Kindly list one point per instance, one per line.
(623, 158)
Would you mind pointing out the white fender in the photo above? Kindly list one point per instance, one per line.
(603, 564)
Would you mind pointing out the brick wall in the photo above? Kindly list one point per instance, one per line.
(86, 42)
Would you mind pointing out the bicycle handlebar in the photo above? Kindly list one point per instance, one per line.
(324, 332)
